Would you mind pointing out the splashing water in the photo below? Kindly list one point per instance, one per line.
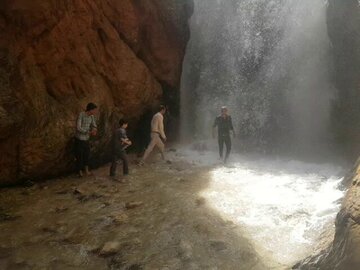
(284, 205)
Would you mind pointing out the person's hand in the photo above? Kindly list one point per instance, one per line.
(129, 143)
(93, 132)
(164, 139)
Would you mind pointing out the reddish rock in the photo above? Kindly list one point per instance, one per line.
(56, 56)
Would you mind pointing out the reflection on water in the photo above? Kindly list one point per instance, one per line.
(284, 206)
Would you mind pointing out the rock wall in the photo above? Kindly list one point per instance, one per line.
(58, 55)
(343, 20)
(344, 252)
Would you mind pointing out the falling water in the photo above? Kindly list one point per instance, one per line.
(268, 61)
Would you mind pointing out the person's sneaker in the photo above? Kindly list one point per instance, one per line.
(118, 179)
(87, 172)
(80, 174)
(141, 163)
(115, 178)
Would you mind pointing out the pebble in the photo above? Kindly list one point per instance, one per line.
(120, 218)
(132, 205)
(218, 245)
(110, 248)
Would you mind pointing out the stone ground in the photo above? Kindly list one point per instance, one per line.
(153, 219)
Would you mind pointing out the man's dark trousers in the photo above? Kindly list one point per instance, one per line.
(224, 139)
(82, 153)
(122, 156)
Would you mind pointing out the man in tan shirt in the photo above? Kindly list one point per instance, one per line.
(158, 136)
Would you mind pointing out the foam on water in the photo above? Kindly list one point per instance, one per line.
(284, 205)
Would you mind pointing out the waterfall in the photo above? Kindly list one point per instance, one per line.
(269, 62)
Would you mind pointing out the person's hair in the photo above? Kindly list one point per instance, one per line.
(123, 122)
(162, 107)
(91, 106)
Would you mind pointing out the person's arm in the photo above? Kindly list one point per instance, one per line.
(231, 126)
(124, 139)
(161, 127)
(214, 127)
(93, 123)
(93, 126)
(79, 126)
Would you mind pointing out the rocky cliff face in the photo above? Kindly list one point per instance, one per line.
(344, 32)
(344, 252)
(56, 56)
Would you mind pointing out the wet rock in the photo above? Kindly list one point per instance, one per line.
(63, 192)
(163, 240)
(25, 193)
(110, 248)
(164, 211)
(185, 249)
(183, 180)
(19, 266)
(218, 245)
(85, 198)
(7, 217)
(5, 252)
(134, 267)
(200, 201)
(78, 191)
(61, 209)
(120, 218)
(174, 264)
(43, 187)
(74, 236)
(132, 205)
(49, 229)
(136, 242)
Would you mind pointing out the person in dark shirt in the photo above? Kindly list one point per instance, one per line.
(224, 125)
(119, 143)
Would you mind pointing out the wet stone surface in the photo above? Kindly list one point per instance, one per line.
(155, 219)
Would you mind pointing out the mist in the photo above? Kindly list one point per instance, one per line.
(270, 63)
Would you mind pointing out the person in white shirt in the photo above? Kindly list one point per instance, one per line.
(158, 136)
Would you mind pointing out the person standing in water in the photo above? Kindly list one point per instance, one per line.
(119, 143)
(224, 125)
(85, 127)
(158, 137)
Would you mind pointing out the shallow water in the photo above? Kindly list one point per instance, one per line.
(287, 207)
(195, 213)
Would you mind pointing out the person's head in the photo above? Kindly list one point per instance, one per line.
(224, 110)
(162, 109)
(123, 123)
(91, 109)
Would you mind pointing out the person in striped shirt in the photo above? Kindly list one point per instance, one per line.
(85, 127)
